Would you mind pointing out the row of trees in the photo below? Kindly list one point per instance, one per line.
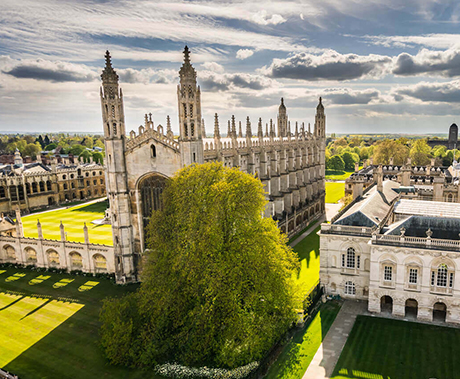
(32, 145)
(342, 153)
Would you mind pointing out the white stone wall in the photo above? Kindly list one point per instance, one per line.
(333, 276)
(42, 250)
(400, 290)
(369, 278)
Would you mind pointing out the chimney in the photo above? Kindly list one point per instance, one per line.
(380, 178)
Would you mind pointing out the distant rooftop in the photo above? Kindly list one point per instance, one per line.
(427, 208)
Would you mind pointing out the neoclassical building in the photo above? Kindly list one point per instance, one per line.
(290, 164)
(400, 254)
(31, 186)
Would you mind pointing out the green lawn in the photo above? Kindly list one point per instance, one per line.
(308, 253)
(338, 175)
(49, 326)
(334, 192)
(381, 348)
(299, 352)
(73, 219)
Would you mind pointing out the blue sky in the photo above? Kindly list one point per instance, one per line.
(380, 66)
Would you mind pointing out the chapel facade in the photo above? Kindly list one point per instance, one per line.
(290, 164)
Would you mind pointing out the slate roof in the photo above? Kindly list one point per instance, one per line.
(372, 208)
(427, 208)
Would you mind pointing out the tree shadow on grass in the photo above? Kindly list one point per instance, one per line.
(72, 351)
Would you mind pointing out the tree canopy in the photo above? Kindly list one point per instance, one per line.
(218, 285)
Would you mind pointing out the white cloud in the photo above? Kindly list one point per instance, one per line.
(213, 66)
(330, 65)
(439, 40)
(262, 18)
(244, 53)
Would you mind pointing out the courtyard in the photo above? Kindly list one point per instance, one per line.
(73, 219)
(383, 348)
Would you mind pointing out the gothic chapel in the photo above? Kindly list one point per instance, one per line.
(290, 164)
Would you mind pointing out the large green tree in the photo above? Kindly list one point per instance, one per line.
(386, 149)
(218, 285)
(420, 152)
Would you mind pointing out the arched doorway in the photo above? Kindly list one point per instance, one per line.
(150, 189)
(411, 308)
(439, 312)
(386, 304)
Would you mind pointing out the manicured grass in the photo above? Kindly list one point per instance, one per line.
(44, 336)
(299, 352)
(73, 219)
(334, 192)
(338, 175)
(308, 253)
(382, 348)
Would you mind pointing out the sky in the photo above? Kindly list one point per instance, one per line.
(381, 66)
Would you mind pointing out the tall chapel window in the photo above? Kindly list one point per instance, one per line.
(113, 111)
(190, 91)
(191, 110)
(114, 128)
(153, 151)
(185, 110)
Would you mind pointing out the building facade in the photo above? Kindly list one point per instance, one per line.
(34, 186)
(290, 164)
(400, 254)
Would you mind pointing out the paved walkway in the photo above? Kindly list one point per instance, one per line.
(328, 353)
(308, 231)
(332, 209)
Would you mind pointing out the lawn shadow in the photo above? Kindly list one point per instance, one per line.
(36, 309)
(12, 303)
(72, 351)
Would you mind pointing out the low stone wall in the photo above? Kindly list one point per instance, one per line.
(87, 257)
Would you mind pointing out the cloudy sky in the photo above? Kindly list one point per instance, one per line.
(380, 65)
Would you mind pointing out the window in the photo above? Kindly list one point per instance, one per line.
(343, 260)
(71, 176)
(350, 258)
(413, 275)
(114, 128)
(433, 276)
(94, 182)
(388, 273)
(153, 151)
(102, 181)
(442, 276)
(358, 261)
(451, 280)
(350, 288)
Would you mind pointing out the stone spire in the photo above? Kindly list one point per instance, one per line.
(248, 128)
(240, 131)
(203, 129)
(296, 130)
(272, 130)
(260, 130)
(320, 120)
(61, 228)
(85, 233)
(282, 120)
(39, 230)
(187, 72)
(229, 129)
(169, 132)
(109, 75)
(233, 127)
(19, 225)
(266, 129)
(216, 126)
(17, 158)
